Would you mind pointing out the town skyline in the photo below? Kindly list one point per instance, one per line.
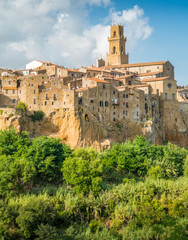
(79, 32)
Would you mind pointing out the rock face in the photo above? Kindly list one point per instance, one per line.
(77, 130)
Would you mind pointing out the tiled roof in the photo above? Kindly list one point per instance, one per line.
(148, 74)
(154, 79)
(98, 80)
(136, 64)
(84, 89)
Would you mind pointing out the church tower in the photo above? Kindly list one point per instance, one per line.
(117, 53)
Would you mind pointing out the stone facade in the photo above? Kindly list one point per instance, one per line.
(117, 52)
(98, 105)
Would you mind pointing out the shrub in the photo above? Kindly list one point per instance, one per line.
(22, 106)
(37, 116)
(83, 170)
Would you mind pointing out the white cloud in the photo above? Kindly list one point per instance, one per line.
(59, 31)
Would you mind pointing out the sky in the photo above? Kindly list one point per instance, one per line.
(73, 33)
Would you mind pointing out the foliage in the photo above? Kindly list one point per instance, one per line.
(131, 191)
(83, 169)
(37, 116)
(22, 106)
(13, 143)
(47, 154)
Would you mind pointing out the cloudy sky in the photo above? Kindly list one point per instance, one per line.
(74, 33)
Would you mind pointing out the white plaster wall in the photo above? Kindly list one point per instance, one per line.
(33, 64)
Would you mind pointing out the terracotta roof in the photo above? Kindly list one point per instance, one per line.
(148, 74)
(136, 64)
(154, 79)
(97, 80)
(126, 76)
(84, 89)
(135, 86)
(10, 88)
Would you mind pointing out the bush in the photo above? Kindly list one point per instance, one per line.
(47, 154)
(83, 170)
(37, 116)
(22, 106)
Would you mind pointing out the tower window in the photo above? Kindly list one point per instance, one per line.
(101, 103)
(114, 34)
(121, 49)
(114, 50)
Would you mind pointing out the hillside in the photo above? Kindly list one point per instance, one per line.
(132, 190)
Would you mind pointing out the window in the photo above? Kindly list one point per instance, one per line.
(137, 114)
(123, 95)
(101, 103)
(9, 82)
(46, 96)
(123, 112)
(114, 113)
(34, 101)
(165, 95)
(123, 117)
(103, 86)
(54, 84)
(55, 96)
(114, 50)
(123, 103)
(45, 103)
(91, 101)
(127, 95)
(13, 100)
(106, 104)
(32, 84)
(80, 101)
(173, 96)
(34, 91)
(114, 34)
(114, 92)
(127, 104)
(121, 49)
(126, 112)
(6, 91)
(52, 103)
(13, 91)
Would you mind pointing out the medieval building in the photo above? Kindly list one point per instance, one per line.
(98, 105)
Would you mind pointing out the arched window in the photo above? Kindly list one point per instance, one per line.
(114, 35)
(114, 50)
(106, 104)
(101, 103)
(121, 49)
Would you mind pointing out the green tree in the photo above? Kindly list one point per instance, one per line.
(37, 116)
(83, 170)
(22, 106)
(13, 143)
(47, 154)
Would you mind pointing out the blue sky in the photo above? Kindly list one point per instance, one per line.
(74, 33)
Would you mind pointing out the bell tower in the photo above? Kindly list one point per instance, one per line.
(117, 52)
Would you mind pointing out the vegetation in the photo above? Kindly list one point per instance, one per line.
(22, 106)
(37, 116)
(133, 190)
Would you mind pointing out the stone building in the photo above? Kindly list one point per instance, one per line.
(117, 52)
(87, 106)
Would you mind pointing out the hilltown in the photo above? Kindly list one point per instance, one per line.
(99, 104)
